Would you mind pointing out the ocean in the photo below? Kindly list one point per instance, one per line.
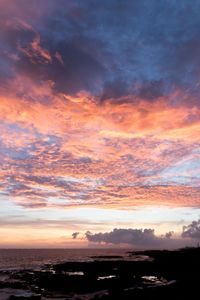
(22, 270)
(13, 259)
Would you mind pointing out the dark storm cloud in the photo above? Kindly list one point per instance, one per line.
(110, 48)
(151, 89)
(150, 42)
(71, 69)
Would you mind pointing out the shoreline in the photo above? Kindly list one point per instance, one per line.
(161, 275)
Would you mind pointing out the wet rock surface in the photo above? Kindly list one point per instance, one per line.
(165, 274)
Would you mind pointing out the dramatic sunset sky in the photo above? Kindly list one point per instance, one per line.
(99, 123)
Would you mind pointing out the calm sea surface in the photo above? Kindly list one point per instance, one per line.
(35, 258)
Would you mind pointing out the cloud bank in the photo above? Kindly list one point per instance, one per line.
(146, 238)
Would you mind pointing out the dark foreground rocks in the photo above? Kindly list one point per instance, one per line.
(165, 275)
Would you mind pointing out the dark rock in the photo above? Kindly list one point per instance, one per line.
(169, 274)
(33, 297)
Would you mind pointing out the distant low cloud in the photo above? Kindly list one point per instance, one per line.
(144, 238)
(169, 234)
(192, 230)
(75, 235)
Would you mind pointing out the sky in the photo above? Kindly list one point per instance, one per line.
(99, 123)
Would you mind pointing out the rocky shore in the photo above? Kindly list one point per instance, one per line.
(159, 275)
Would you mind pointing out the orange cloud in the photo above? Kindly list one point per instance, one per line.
(109, 154)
